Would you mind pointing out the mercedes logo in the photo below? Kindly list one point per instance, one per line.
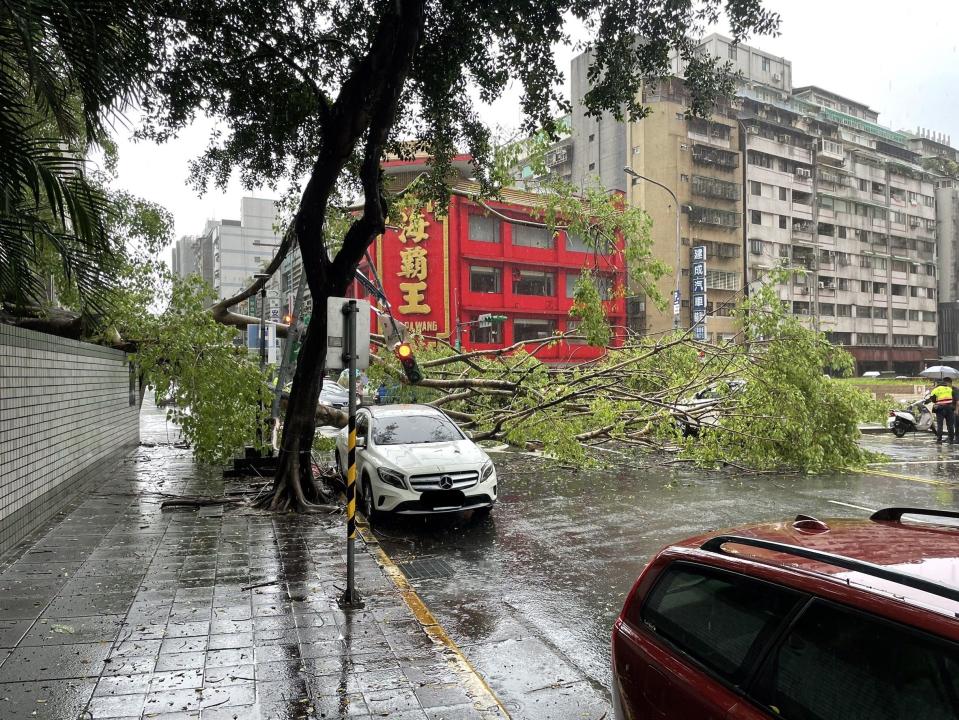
(446, 482)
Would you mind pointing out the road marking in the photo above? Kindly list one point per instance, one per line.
(914, 462)
(857, 507)
(899, 476)
(484, 699)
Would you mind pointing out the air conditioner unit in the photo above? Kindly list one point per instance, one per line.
(776, 77)
(782, 138)
(822, 286)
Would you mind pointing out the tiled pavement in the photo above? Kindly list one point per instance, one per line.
(122, 610)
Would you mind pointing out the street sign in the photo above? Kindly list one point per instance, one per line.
(336, 333)
(677, 301)
(274, 315)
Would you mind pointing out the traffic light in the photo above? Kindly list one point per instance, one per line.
(404, 353)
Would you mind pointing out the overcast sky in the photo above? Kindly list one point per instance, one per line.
(899, 58)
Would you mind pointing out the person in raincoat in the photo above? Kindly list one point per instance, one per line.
(944, 399)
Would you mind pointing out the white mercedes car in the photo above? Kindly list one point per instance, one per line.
(414, 460)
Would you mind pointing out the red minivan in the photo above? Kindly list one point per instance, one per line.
(801, 620)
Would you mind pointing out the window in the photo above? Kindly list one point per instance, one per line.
(574, 243)
(765, 62)
(528, 236)
(533, 282)
(756, 247)
(928, 316)
(755, 217)
(571, 326)
(755, 188)
(732, 52)
(905, 341)
(827, 309)
(491, 335)
(841, 232)
(913, 315)
(484, 228)
(782, 194)
(844, 311)
(836, 663)
(898, 313)
(900, 266)
(604, 285)
(721, 280)
(929, 340)
(863, 311)
(783, 222)
(716, 617)
(879, 313)
(863, 184)
(414, 429)
(533, 329)
(842, 283)
(899, 290)
(485, 279)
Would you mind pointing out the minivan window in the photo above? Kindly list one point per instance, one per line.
(720, 619)
(839, 663)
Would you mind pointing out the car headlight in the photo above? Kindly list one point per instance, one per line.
(487, 472)
(391, 477)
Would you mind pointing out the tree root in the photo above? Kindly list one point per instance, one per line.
(201, 501)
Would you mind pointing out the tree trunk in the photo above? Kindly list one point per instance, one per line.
(293, 487)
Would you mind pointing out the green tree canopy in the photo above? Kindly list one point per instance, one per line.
(65, 68)
(324, 89)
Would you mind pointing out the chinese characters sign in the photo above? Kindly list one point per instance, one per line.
(412, 259)
(697, 275)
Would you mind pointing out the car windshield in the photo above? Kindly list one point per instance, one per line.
(414, 429)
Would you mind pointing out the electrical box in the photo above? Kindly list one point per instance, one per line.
(336, 333)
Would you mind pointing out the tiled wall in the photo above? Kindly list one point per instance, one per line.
(64, 406)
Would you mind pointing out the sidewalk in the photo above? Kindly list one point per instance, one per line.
(121, 610)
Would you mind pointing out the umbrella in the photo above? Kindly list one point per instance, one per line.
(939, 372)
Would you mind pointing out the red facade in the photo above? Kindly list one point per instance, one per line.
(441, 273)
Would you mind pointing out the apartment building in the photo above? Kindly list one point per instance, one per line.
(700, 161)
(845, 202)
(228, 252)
(825, 190)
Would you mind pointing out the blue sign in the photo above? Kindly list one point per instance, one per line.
(697, 274)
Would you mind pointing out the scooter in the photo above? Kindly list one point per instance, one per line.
(913, 418)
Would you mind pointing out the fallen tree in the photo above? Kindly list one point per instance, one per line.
(774, 408)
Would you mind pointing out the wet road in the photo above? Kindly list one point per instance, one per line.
(530, 594)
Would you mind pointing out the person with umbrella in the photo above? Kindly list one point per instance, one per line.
(944, 399)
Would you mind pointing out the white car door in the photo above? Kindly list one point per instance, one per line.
(362, 433)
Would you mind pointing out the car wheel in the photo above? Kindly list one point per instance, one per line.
(899, 429)
(369, 502)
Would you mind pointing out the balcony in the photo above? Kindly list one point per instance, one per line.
(713, 216)
(717, 157)
(831, 151)
(715, 188)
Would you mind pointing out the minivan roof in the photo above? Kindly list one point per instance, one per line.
(927, 550)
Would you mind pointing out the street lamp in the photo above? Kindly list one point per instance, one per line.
(677, 304)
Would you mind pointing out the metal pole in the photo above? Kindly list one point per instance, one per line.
(259, 419)
(630, 171)
(292, 336)
(351, 598)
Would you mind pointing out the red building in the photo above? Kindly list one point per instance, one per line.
(441, 272)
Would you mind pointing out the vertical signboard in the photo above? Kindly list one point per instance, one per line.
(414, 270)
(697, 275)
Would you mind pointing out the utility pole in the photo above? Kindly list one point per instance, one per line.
(677, 294)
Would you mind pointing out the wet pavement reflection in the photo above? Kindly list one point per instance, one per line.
(535, 588)
(119, 609)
